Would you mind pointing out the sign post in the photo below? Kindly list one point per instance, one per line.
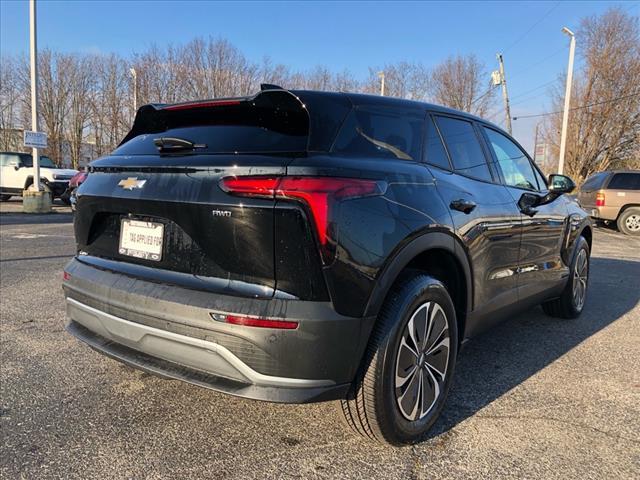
(34, 199)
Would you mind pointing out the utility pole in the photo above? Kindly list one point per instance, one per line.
(505, 95)
(381, 76)
(535, 142)
(33, 50)
(567, 100)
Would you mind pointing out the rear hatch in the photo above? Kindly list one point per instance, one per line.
(155, 209)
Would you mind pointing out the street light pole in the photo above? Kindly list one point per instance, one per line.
(381, 76)
(567, 99)
(134, 74)
(33, 51)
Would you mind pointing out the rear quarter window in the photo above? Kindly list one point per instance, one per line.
(594, 182)
(381, 133)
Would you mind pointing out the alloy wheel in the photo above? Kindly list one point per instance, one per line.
(422, 360)
(580, 277)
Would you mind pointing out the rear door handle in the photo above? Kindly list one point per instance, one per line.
(464, 206)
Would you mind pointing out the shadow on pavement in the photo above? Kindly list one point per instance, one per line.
(16, 218)
(513, 351)
(21, 259)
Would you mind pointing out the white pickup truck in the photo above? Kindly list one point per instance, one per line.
(16, 174)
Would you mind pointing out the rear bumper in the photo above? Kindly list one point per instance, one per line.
(603, 213)
(168, 331)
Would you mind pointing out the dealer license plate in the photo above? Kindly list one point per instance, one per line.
(141, 239)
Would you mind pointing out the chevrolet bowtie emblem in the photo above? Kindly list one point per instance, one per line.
(131, 183)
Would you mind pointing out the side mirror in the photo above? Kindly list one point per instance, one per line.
(560, 184)
(16, 166)
(527, 203)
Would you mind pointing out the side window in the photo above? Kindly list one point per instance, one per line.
(381, 133)
(464, 148)
(434, 152)
(8, 159)
(514, 164)
(624, 181)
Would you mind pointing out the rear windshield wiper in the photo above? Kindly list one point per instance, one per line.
(173, 144)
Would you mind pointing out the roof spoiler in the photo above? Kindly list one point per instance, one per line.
(154, 117)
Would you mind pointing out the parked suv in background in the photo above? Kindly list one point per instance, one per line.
(613, 196)
(299, 246)
(16, 175)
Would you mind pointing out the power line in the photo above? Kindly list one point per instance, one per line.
(534, 89)
(521, 37)
(613, 100)
(524, 70)
(492, 88)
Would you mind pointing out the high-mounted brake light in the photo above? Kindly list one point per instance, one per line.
(600, 199)
(212, 103)
(255, 321)
(317, 193)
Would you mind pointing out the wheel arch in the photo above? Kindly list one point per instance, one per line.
(438, 254)
(626, 207)
(587, 233)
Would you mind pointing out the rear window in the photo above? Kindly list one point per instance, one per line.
(270, 123)
(380, 133)
(594, 182)
(625, 181)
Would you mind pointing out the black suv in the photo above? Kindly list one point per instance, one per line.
(299, 246)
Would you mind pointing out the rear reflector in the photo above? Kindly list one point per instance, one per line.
(317, 193)
(255, 322)
(600, 199)
(212, 103)
(66, 276)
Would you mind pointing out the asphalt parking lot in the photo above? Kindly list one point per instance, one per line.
(536, 397)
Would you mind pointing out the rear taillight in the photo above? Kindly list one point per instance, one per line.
(255, 321)
(318, 194)
(599, 199)
(77, 179)
(66, 276)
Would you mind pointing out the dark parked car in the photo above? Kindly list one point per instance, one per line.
(299, 246)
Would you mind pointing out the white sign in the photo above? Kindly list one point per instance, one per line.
(35, 139)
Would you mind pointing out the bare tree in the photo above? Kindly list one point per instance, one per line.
(54, 70)
(604, 124)
(462, 82)
(9, 104)
(79, 113)
(402, 80)
(111, 100)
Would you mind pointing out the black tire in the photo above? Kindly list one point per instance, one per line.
(629, 221)
(567, 305)
(373, 405)
(5, 198)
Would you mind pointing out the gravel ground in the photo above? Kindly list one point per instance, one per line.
(535, 397)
